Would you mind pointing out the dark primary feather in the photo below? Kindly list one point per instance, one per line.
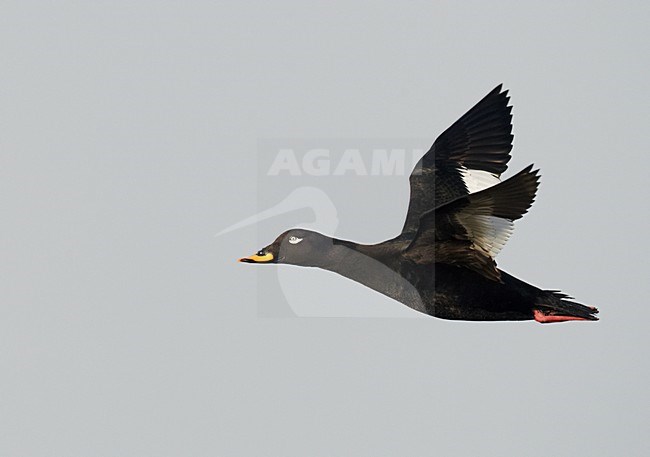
(480, 140)
(509, 199)
(464, 232)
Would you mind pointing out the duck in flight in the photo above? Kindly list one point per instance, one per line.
(459, 217)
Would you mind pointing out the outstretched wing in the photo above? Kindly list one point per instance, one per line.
(467, 157)
(471, 230)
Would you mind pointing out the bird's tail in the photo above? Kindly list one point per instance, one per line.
(554, 306)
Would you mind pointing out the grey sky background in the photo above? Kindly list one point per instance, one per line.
(129, 136)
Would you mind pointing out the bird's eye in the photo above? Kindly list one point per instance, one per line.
(294, 240)
(260, 252)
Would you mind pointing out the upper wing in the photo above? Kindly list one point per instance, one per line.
(471, 230)
(467, 157)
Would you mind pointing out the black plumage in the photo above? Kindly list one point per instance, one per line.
(442, 263)
(480, 140)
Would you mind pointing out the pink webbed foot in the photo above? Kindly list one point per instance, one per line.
(547, 318)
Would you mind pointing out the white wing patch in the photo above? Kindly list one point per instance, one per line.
(476, 180)
(294, 240)
(488, 233)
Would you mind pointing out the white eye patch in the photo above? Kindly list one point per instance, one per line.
(294, 240)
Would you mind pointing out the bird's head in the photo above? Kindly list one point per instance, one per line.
(296, 247)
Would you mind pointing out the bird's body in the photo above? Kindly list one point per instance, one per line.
(459, 217)
(439, 289)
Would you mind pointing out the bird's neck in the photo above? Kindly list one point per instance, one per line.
(367, 265)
